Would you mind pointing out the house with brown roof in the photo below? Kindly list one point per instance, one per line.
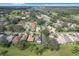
(30, 38)
(34, 24)
(16, 39)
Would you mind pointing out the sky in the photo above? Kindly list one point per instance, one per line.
(39, 4)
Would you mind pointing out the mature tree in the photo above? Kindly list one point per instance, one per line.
(45, 32)
(23, 44)
(41, 22)
(2, 29)
(9, 27)
(18, 28)
(39, 49)
(52, 44)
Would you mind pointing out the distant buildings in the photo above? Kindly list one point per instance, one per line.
(67, 37)
(3, 22)
(34, 24)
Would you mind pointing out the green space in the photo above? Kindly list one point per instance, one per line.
(65, 50)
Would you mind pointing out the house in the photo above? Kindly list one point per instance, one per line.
(51, 36)
(46, 18)
(38, 39)
(22, 22)
(22, 13)
(30, 38)
(39, 16)
(73, 37)
(16, 39)
(43, 27)
(67, 37)
(27, 14)
(77, 34)
(3, 22)
(51, 29)
(38, 29)
(3, 39)
(34, 24)
(73, 25)
(18, 17)
(23, 17)
(69, 24)
(10, 38)
(3, 13)
(61, 39)
(24, 37)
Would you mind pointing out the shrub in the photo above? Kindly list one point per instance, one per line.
(39, 49)
(3, 52)
(75, 48)
(6, 45)
(22, 45)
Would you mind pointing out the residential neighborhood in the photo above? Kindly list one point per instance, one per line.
(35, 29)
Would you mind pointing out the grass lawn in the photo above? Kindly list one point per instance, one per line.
(65, 50)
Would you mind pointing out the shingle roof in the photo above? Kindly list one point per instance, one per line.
(24, 37)
(16, 39)
(30, 38)
(3, 38)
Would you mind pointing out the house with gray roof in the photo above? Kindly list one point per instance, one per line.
(40, 38)
(3, 38)
(10, 38)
